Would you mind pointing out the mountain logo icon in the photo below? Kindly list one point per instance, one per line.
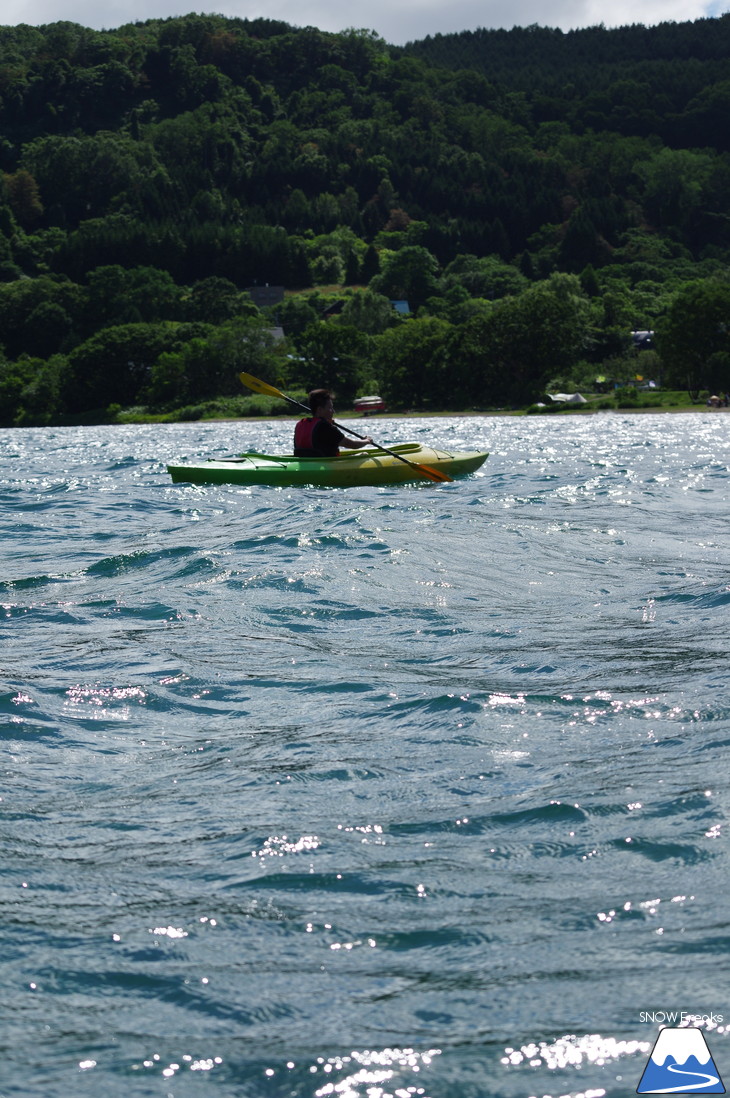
(680, 1063)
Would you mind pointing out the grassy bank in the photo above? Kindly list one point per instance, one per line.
(262, 407)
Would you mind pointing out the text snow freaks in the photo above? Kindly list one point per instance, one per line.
(679, 1018)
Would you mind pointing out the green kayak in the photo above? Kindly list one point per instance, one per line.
(356, 467)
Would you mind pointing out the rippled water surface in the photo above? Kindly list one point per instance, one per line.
(366, 793)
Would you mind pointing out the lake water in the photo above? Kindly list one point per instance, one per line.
(364, 793)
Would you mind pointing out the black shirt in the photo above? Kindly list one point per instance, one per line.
(326, 438)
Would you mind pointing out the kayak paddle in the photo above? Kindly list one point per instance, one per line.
(269, 390)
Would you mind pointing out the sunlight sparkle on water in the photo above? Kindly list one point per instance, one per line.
(572, 1051)
(189, 1062)
(100, 698)
(276, 846)
(169, 931)
(505, 699)
(370, 1073)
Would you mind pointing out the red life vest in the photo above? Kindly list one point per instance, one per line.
(303, 435)
(304, 439)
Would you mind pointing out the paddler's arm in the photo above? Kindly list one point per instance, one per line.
(355, 443)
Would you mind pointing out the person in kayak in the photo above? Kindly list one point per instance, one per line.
(318, 436)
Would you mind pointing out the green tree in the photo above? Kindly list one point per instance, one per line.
(368, 312)
(674, 188)
(589, 281)
(328, 267)
(82, 176)
(117, 295)
(704, 121)
(506, 355)
(487, 277)
(38, 315)
(332, 357)
(694, 336)
(30, 391)
(370, 265)
(295, 315)
(24, 198)
(14, 376)
(41, 399)
(114, 366)
(215, 300)
(580, 245)
(208, 366)
(411, 362)
(46, 329)
(408, 274)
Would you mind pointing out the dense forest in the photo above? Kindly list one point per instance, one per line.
(532, 196)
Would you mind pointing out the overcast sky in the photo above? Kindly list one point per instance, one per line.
(397, 23)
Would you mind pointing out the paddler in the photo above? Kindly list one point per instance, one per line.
(318, 436)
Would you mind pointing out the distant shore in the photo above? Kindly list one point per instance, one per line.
(582, 410)
(466, 415)
(595, 405)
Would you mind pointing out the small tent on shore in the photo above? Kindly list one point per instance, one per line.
(567, 398)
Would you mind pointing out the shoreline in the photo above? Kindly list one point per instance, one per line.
(518, 413)
(347, 416)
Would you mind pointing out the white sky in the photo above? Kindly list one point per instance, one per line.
(403, 21)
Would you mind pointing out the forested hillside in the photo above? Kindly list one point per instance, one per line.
(534, 196)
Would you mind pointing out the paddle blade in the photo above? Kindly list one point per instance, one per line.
(432, 474)
(259, 386)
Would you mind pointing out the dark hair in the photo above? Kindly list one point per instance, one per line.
(317, 398)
